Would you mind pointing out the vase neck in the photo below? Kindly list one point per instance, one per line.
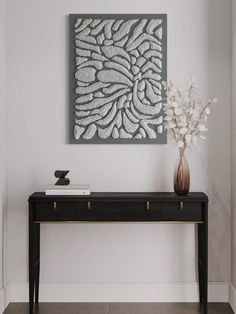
(181, 151)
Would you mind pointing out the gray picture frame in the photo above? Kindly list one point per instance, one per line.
(161, 138)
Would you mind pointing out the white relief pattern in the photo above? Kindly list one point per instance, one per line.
(118, 78)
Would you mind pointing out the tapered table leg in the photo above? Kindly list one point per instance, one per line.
(203, 258)
(37, 266)
(200, 273)
(31, 259)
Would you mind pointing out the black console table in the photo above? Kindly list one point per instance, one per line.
(117, 207)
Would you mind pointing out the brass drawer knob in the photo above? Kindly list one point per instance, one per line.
(181, 205)
(55, 205)
(89, 205)
(147, 206)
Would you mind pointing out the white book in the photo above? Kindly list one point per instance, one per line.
(71, 189)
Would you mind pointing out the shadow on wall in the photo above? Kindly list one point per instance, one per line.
(219, 141)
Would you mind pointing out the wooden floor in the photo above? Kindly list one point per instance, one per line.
(119, 308)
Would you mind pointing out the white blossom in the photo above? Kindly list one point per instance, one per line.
(169, 112)
(178, 111)
(172, 125)
(202, 128)
(186, 114)
(180, 144)
(175, 104)
(188, 138)
(164, 84)
(183, 131)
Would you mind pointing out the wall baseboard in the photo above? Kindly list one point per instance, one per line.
(118, 292)
(232, 297)
(2, 300)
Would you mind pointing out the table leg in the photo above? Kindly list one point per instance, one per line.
(37, 266)
(200, 272)
(203, 258)
(31, 258)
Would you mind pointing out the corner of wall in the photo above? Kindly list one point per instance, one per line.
(232, 286)
(2, 301)
(232, 297)
(3, 143)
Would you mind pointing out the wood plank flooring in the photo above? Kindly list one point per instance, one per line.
(119, 308)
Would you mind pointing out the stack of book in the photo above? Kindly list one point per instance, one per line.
(71, 189)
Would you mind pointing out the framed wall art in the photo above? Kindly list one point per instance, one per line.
(117, 65)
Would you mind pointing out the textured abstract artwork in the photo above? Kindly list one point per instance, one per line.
(117, 65)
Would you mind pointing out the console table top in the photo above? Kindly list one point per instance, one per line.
(192, 196)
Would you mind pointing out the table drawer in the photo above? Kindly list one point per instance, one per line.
(112, 211)
(120, 211)
(55, 211)
(182, 211)
(153, 211)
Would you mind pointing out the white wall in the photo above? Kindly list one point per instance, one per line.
(110, 255)
(3, 94)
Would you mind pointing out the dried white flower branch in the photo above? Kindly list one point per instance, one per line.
(186, 115)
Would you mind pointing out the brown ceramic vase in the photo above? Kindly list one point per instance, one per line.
(181, 175)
